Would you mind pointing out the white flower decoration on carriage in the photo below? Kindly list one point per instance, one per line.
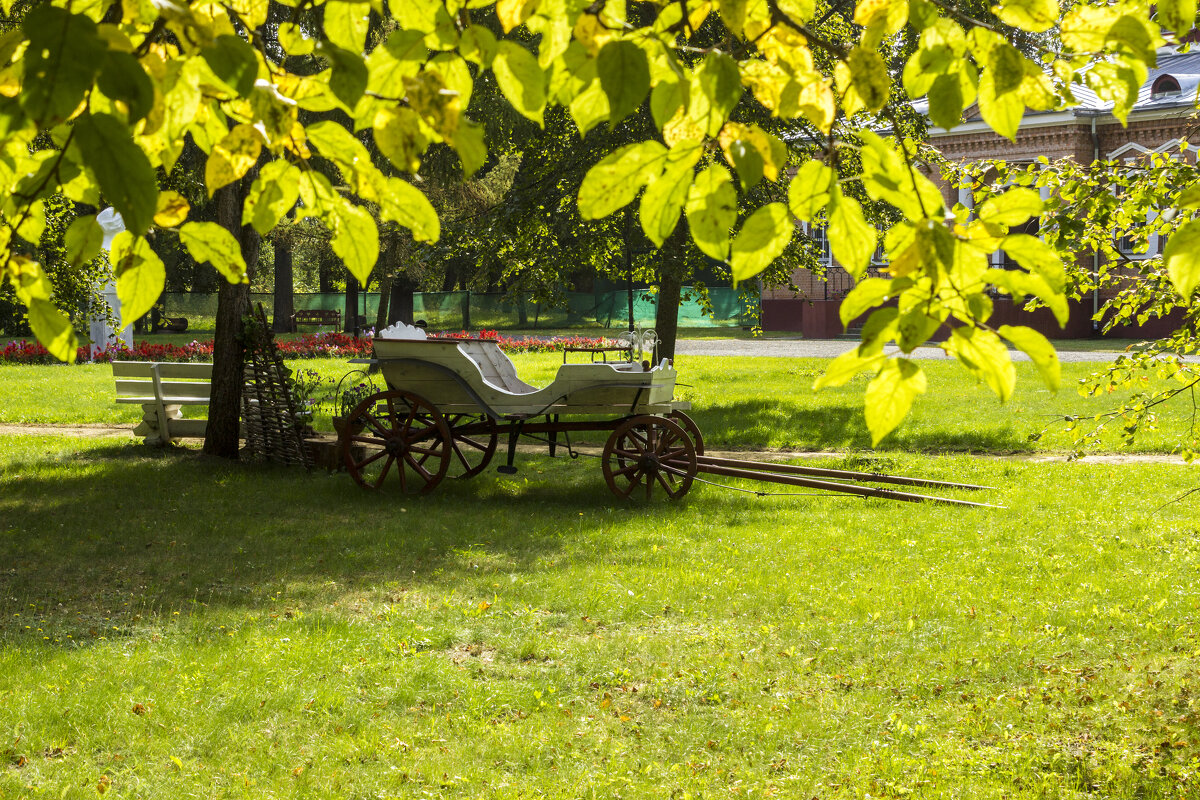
(400, 330)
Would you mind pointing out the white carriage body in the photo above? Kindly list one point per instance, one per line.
(473, 375)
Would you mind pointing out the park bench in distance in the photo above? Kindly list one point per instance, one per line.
(318, 317)
(161, 389)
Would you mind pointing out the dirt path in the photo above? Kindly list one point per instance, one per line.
(126, 431)
(79, 431)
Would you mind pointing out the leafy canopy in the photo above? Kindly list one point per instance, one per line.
(97, 99)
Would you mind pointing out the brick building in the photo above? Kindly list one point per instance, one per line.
(1159, 120)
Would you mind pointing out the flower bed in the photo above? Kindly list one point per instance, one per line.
(317, 345)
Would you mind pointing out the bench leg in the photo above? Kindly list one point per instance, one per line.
(154, 427)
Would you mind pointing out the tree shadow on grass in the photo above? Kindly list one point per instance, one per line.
(115, 533)
(790, 425)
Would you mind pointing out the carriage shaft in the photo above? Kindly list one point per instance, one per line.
(794, 469)
(844, 488)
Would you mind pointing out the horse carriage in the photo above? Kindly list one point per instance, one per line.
(449, 403)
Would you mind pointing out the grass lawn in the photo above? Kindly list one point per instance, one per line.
(171, 626)
(739, 403)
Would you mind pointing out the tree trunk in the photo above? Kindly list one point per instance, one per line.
(281, 317)
(674, 267)
(385, 302)
(351, 307)
(222, 436)
(401, 304)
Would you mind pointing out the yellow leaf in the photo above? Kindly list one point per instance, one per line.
(512, 13)
(172, 209)
(232, 157)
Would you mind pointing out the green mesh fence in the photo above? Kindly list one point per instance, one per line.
(497, 311)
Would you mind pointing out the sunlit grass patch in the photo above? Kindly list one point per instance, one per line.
(185, 626)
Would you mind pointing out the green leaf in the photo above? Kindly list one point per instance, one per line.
(232, 60)
(83, 240)
(1000, 108)
(720, 82)
(1189, 197)
(1034, 16)
(866, 294)
(121, 168)
(747, 162)
(1037, 256)
(122, 78)
(666, 195)
(212, 243)
(1178, 15)
(521, 80)
(398, 136)
(1039, 350)
(851, 237)
(140, 274)
(887, 177)
(809, 192)
(1182, 257)
(863, 81)
(62, 58)
(406, 205)
(950, 94)
(273, 194)
(1019, 284)
(761, 240)
(667, 97)
(346, 25)
(53, 329)
(915, 326)
(355, 238)
(890, 396)
(478, 45)
(618, 177)
(590, 107)
(982, 352)
(625, 76)
(712, 210)
(1012, 208)
(348, 77)
(469, 144)
(845, 367)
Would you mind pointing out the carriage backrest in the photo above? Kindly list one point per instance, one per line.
(496, 368)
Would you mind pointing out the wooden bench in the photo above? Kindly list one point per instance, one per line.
(317, 316)
(161, 389)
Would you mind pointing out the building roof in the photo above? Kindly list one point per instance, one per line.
(1183, 67)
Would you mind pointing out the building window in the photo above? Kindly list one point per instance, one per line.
(817, 235)
(1165, 86)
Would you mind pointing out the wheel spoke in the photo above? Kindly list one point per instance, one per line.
(420, 470)
(359, 465)
(649, 485)
(372, 422)
(383, 473)
(373, 440)
(621, 473)
(666, 486)
(671, 456)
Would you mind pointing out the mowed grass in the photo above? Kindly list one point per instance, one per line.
(173, 626)
(739, 403)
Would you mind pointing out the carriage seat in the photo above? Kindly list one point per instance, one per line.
(496, 368)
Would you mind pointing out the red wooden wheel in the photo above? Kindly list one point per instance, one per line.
(397, 434)
(472, 443)
(693, 430)
(649, 454)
